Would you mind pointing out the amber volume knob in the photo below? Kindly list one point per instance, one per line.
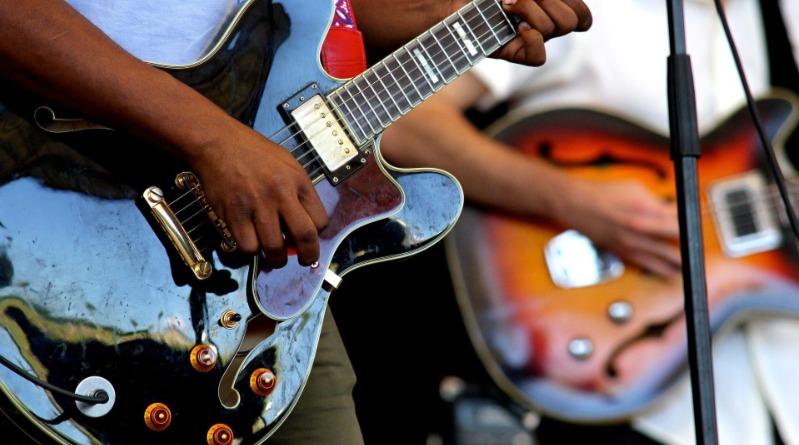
(203, 358)
(262, 381)
(220, 434)
(157, 417)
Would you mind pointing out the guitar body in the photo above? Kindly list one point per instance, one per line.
(91, 287)
(602, 350)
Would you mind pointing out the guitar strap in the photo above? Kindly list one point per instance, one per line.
(343, 52)
(782, 63)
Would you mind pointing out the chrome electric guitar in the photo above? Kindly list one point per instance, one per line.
(131, 293)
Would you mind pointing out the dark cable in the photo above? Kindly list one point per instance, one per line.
(771, 158)
(99, 397)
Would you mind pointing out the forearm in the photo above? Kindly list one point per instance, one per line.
(437, 135)
(51, 50)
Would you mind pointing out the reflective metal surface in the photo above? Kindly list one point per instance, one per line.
(89, 288)
(574, 261)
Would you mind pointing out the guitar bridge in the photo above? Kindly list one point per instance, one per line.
(174, 227)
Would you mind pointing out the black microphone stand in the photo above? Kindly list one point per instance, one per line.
(685, 152)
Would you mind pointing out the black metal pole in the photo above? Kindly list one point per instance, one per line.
(685, 152)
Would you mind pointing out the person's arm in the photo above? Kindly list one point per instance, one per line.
(624, 217)
(386, 24)
(50, 49)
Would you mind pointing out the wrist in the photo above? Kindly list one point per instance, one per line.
(567, 193)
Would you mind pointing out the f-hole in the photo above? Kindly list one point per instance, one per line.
(259, 328)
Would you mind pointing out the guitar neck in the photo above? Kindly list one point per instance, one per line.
(396, 85)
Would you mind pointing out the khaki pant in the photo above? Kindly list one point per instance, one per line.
(325, 414)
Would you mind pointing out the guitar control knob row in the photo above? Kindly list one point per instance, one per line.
(157, 417)
(220, 434)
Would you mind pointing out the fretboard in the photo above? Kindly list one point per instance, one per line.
(370, 102)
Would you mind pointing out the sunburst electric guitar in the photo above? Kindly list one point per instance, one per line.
(572, 331)
(137, 299)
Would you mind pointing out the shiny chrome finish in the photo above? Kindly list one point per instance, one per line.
(581, 348)
(574, 261)
(620, 312)
(90, 386)
(747, 194)
(323, 130)
(189, 182)
(229, 319)
(88, 287)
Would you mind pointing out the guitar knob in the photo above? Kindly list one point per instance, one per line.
(220, 434)
(620, 312)
(157, 417)
(262, 381)
(203, 358)
(581, 348)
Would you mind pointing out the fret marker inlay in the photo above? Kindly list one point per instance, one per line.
(427, 68)
(465, 38)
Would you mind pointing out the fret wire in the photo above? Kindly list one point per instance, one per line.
(504, 14)
(457, 40)
(489, 23)
(365, 116)
(401, 89)
(422, 72)
(344, 104)
(377, 95)
(421, 96)
(368, 102)
(432, 61)
(385, 87)
(472, 33)
(343, 101)
(445, 52)
(419, 69)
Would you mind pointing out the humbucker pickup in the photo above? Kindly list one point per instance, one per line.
(323, 130)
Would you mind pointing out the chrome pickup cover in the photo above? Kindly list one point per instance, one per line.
(574, 261)
(327, 137)
(744, 220)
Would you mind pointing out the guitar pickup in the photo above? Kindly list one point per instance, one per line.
(325, 133)
(321, 128)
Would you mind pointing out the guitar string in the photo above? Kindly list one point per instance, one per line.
(364, 116)
(459, 57)
(715, 210)
(474, 7)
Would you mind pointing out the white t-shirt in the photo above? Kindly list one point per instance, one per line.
(620, 66)
(171, 32)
